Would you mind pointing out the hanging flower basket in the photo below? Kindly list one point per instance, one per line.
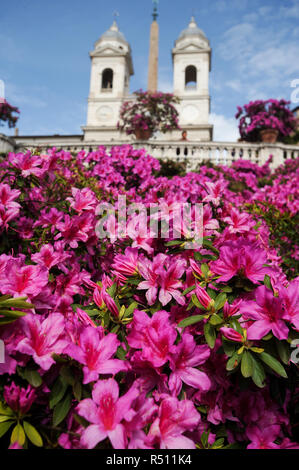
(269, 135)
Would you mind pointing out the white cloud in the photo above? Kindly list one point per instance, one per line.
(235, 85)
(225, 129)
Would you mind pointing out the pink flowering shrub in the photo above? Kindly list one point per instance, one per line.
(265, 114)
(141, 341)
(7, 113)
(149, 111)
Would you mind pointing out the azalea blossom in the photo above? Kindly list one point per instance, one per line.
(95, 352)
(175, 417)
(106, 412)
(183, 363)
(154, 336)
(268, 313)
(244, 259)
(43, 338)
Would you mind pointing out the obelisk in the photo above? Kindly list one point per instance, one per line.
(152, 83)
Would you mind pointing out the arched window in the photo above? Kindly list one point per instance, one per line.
(190, 77)
(107, 80)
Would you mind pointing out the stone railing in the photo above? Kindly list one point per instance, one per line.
(193, 153)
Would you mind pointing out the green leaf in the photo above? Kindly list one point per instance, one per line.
(18, 435)
(4, 418)
(210, 334)
(283, 351)
(204, 438)
(33, 377)
(61, 410)
(220, 301)
(173, 243)
(215, 319)
(267, 282)
(273, 364)
(229, 347)
(227, 289)
(112, 290)
(197, 303)
(189, 289)
(57, 392)
(218, 444)
(130, 309)
(236, 325)
(246, 364)
(205, 269)
(121, 353)
(16, 303)
(67, 375)
(190, 321)
(4, 427)
(209, 244)
(233, 362)
(32, 434)
(77, 391)
(12, 313)
(5, 410)
(258, 374)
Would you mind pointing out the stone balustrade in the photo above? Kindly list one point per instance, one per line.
(193, 153)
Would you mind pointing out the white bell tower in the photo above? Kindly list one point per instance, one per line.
(191, 57)
(111, 68)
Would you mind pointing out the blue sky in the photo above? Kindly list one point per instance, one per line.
(45, 65)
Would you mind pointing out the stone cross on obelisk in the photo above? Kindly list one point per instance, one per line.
(152, 83)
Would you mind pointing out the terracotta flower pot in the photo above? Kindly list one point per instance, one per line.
(269, 135)
(143, 134)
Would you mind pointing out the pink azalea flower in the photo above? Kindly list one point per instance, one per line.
(243, 259)
(8, 196)
(126, 265)
(290, 299)
(214, 190)
(238, 222)
(43, 338)
(19, 399)
(95, 352)
(170, 283)
(27, 163)
(175, 417)
(150, 272)
(82, 200)
(183, 362)
(263, 438)
(75, 229)
(106, 412)
(23, 280)
(48, 257)
(154, 336)
(267, 311)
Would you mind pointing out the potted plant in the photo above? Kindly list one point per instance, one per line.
(6, 113)
(265, 120)
(147, 113)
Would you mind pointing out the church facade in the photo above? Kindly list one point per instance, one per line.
(112, 67)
